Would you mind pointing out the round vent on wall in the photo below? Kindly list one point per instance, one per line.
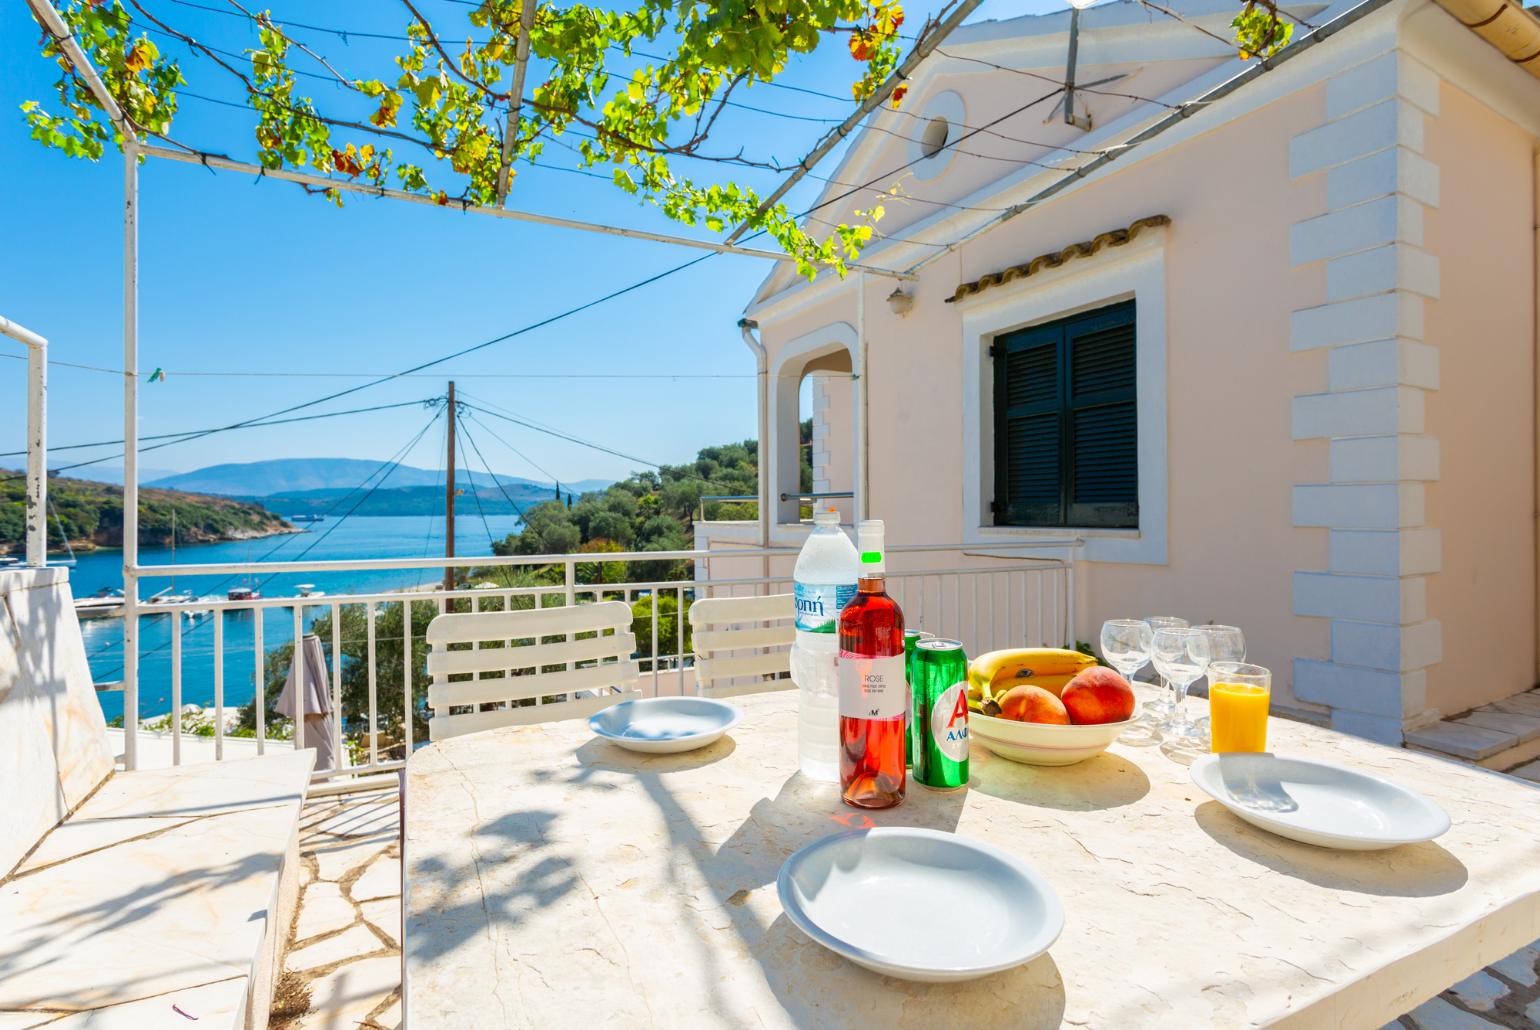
(937, 131)
(939, 125)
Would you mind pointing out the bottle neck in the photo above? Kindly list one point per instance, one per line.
(872, 581)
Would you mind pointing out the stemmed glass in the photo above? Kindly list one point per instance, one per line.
(1163, 708)
(1225, 644)
(1126, 645)
(1181, 656)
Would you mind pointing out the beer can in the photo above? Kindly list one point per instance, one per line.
(938, 727)
(911, 637)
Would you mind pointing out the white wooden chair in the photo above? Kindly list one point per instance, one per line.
(596, 671)
(743, 644)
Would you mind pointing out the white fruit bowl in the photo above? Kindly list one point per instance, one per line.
(1036, 743)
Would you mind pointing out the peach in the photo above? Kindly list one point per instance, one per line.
(1098, 695)
(1027, 703)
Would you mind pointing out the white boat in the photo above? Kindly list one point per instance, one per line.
(308, 590)
(105, 602)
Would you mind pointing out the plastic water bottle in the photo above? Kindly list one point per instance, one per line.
(825, 577)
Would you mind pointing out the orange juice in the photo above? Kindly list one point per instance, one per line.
(1238, 717)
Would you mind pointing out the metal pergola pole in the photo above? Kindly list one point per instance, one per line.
(131, 457)
(365, 189)
(37, 439)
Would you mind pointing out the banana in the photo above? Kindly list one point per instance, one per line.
(1053, 684)
(1050, 667)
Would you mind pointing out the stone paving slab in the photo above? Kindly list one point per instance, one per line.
(345, 946)
(1462, 740)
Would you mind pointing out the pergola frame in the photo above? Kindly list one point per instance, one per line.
(134, 149)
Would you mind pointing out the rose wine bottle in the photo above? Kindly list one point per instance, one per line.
(873, 691)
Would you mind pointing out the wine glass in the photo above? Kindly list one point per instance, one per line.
(1225, 644)
(1126, 645)
(1163, 708)
(1181, 656)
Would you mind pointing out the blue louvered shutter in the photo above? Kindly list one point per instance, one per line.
(1066, 435)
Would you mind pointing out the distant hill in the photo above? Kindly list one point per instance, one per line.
(288, 477)
(411, 500)
(90, 514)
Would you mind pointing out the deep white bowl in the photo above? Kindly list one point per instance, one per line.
(920, 904)
(1036, 743)
(666, 725)
(1319, 803)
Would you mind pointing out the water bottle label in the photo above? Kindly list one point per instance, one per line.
(872, 688)
(819, 604)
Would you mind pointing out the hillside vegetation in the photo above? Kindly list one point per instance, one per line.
(90, 515)
(650, 511)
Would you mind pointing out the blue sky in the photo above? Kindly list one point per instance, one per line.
(239, 276)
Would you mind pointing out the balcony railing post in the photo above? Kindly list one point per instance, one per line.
(176, 687)
(336, 720)
(374, 722)
(259, 675)
(297, 665)
(406, 676)
(219, 684)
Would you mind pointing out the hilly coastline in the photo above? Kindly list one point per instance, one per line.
(90, 515)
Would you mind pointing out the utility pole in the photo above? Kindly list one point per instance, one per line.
(449, 493)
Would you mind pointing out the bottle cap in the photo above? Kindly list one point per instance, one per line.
(828, 517)
(870, 536)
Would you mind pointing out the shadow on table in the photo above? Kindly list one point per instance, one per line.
(600, 755)
(1409, 871)
(804, 810)
(810, 982)
(1106, 781)
(459, 915)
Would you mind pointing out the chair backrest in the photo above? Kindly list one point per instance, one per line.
(743, 644)
(494, 669)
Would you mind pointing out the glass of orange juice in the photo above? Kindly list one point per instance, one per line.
(1238, 696)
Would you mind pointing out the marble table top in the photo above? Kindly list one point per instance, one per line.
(554, 879)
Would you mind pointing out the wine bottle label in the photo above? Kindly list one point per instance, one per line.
(872, 688)
(819, 604)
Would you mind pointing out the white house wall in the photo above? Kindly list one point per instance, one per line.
(1348, 308)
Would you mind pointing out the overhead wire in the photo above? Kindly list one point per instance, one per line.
(524, 457)
(973, 130)
(178, 436)
(491, 540)
(391, 464)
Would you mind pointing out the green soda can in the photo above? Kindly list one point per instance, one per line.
(911, 637)
(938, 728)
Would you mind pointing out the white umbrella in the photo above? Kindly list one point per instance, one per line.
(319, 731)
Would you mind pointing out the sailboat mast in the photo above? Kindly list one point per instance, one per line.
(449, 493)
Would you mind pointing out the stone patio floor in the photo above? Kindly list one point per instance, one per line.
(343, 964)
(342, 968)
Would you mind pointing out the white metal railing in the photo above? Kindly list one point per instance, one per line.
(37, 440)
(1018, 598)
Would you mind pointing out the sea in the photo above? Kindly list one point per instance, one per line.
(381, 536)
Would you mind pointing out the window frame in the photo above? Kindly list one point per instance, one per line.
(1134, 271)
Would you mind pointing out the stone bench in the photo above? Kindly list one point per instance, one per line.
(130, 899)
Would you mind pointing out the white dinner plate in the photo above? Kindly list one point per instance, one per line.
(1317, 802)
(920, 904)
(665, 725)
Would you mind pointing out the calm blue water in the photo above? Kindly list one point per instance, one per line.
(393, 536)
